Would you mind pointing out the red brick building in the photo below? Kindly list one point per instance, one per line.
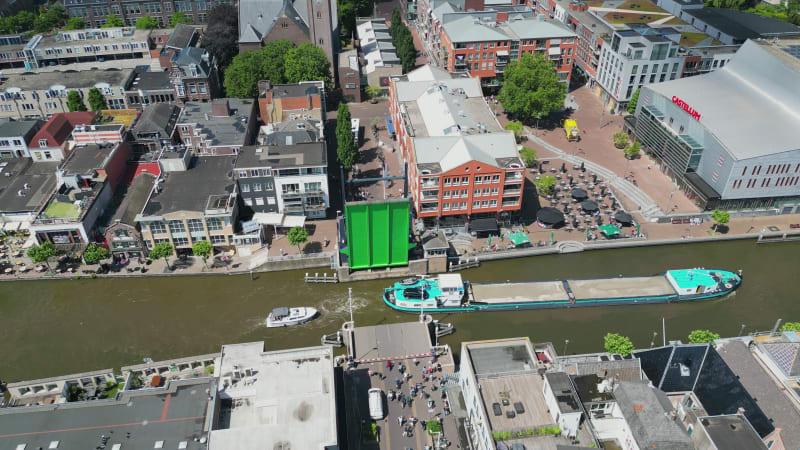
(462, 164)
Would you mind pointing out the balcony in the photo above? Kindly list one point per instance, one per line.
(429, 183)
(293, 208)
(315, 206)
(429, 207)
(512, 190)
(430, 195)
(510, 202)
(514, 177)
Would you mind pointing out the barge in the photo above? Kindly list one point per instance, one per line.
(449, 293)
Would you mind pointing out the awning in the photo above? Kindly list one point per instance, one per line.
(268, 218)
(483, 225)
(11, 226)
(552, 51)
(25, 225)
(293, 221)
(519, 239)
(389, 125)
(609, 230)
(549, 216)
(502, 53)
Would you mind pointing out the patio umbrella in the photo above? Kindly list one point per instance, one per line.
(589, 205)
(594, 178)
(583, 167)
(623, 217)
(609, 230)
(579, 194)
(549, 216)
(563, 167)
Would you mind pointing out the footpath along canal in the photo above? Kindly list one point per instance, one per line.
(49, 328)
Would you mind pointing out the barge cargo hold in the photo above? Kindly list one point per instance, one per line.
(449, 293)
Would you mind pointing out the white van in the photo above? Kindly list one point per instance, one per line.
(376, 404)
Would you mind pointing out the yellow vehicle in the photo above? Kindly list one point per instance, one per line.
(571, 128)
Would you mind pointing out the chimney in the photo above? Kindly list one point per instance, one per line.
(219, 108)
(740, 411)
(265, 90)
(205, 56)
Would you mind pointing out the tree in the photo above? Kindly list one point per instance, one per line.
(273, 61)
(146, 23)
(791, 326)
(297, 236)
(374, 127)
(202, 249)
(374, 92)
(632, 151)
(633, 101)
(222, 33)
(112, 21)
(720, 218)
(531, 88)
(702, 336)
(346, 150)
(621, 139)
(528, 156)
(178, 17)
(41, 253)
(75, 23)
(162, 250)
(402, 41)
(52, 17)
(517, 128)
(97, 101)
(615, 343)
(95, 253)
(75, 101)
(308, 62)
(248, 68)
(545, 184)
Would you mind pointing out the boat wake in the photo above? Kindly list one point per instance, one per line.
(340, 307)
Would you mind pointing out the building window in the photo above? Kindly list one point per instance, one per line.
(157, 227)
(176, 226)
(195, 225)
(214, 223)
(257, 187)
(181, 241)
(245, 187)
(217, 239)
(248, 201)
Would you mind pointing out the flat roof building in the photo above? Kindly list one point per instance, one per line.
(735, 27)
(175, 417)
(728, 137)
(276, 399)
(220, 127)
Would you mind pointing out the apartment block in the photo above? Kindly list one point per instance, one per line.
(95, 12)
(222, 127)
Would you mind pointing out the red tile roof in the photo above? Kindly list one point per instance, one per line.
(59, 127)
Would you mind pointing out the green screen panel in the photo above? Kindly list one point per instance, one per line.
(377, 234)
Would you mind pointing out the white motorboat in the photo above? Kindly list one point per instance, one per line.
(284, 317)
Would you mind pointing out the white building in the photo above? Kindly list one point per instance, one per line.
(279, 399)
(635, 58)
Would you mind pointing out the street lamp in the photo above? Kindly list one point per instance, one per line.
(741, 330)
(653, 342)
(566, 342)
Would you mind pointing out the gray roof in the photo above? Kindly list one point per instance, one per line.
(466, 30)
(621, 370)
(257, 17)
(563, 392)
(756, 91)
(732, 432)
(132, 421)
(501, 357)
(646, 411)
(82, 79)
(435, 240)
(22, 128)
(41, 180)
(283, 156)
(181, 191)
(742, 25)
(181, 36)
(149, 81)
(157, 118)
(771, 398)
(193, 58)
(135, 196)
(227, 130)
(83, 160)
(538, 29)
(448, 152)
(295, 90)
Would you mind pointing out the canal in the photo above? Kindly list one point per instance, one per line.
(49, 328)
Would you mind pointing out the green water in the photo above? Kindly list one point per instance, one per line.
(49, 328)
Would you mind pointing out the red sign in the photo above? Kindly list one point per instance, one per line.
(692, 112)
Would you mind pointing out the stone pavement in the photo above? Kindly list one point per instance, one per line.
(652, 192)
(392, 436)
